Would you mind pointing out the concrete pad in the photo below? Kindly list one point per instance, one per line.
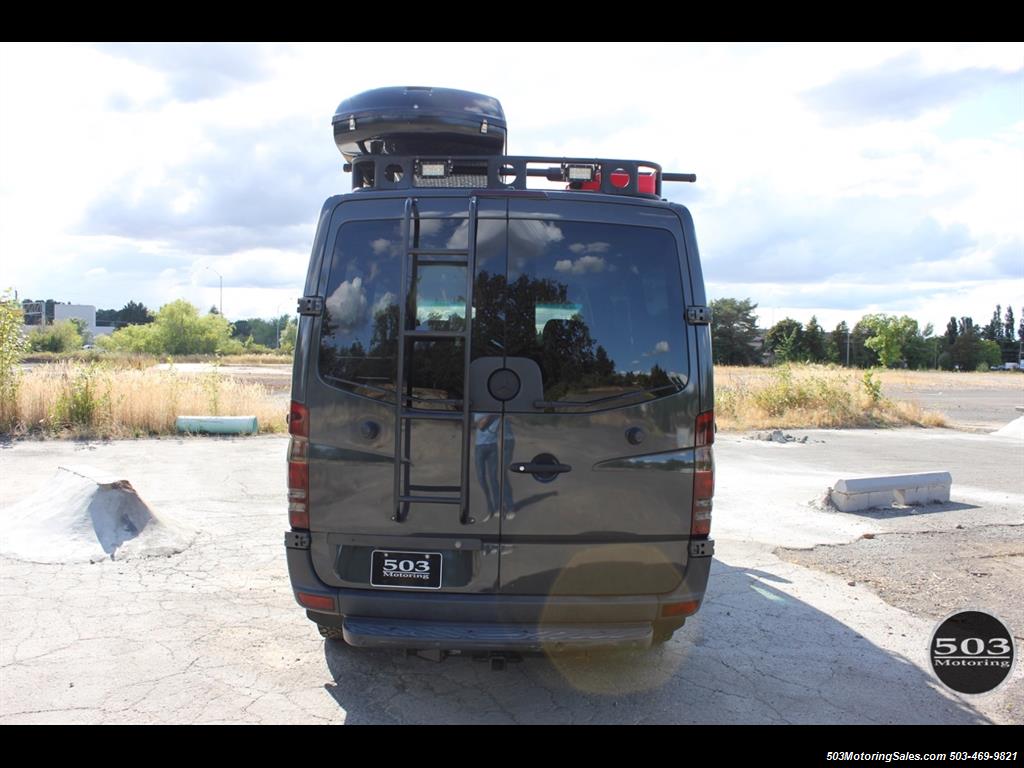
(214, 634)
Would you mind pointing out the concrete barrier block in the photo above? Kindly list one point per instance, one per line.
(858, 493)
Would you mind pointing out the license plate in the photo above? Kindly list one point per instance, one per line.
(406, 570)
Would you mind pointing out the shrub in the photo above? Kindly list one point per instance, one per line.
(12, 347)
(62, 336)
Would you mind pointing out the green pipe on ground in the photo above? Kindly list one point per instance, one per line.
(218, 425)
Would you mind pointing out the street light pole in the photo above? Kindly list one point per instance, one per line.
(221, 277)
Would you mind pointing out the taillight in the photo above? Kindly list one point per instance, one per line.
(298, 420)
(298, 466)
(703, 475)
(644, 182)
(316, 602)
(680, 609)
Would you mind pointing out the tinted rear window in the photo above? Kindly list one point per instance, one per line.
(359, 331)
(598, 306)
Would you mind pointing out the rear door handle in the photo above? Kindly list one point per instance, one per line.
(535, 468)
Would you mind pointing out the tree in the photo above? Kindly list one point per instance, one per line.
(994, 330)
(861, 355)
(989, 354)
(734, 332)
(289, 332)
(256, 330)
(177, 330)
(890, 337)
(1008, 329)
(134, 313)
(786, 340)
(951, 332)
(966, 351)
(837, 343)
(922, 349)
(83, 329)
(814, 341)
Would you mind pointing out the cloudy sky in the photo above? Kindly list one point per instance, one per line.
(832, 179)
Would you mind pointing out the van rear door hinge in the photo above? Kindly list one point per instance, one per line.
(698, 315)
(311, 305)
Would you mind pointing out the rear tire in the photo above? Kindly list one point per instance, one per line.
(331, 633)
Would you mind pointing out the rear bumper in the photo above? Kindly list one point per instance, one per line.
(494, 621)
(549, 638)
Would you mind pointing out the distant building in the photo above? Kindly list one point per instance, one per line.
(85, 312)
(49, 312)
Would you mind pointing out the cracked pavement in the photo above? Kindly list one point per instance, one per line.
(213, 635)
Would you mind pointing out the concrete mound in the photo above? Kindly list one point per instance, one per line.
(87, 515)
(1014, 429)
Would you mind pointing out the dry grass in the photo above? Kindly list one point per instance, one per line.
(93, 400)
(140, 361)
(791, 396)
(121, 400)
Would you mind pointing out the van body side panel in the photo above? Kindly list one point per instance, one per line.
(304, 340)
(702, 332)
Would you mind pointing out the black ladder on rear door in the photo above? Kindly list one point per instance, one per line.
(406, 493)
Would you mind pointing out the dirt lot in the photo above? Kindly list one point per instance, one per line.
(978, 402)
(931, 572)
(213, 634)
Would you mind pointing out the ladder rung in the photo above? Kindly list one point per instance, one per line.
(435, 400)
(441, 262)
(435, 334)
(438, 252)
(436, 488)
(419, 413)
(430, 499)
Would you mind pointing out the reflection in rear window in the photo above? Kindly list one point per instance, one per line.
(598, 306)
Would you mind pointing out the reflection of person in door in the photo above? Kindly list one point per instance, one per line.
(488, 427)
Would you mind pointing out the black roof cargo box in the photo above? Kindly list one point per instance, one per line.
(414, 120)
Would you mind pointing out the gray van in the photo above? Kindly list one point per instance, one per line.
(502, 403)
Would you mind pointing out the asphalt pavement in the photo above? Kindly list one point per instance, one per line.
(213, 634)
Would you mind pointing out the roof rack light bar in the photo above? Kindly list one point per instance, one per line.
(637, 178)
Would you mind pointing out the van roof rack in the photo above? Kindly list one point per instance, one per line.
(637, 178)
(408, 137)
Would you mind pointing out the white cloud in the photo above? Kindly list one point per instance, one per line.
(598, 247)
(348, 304)
(659, 349)
(581, 266)
(383, 302)
(223, 154)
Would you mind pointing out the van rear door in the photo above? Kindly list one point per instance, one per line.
(596, 446)
(350, 393)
